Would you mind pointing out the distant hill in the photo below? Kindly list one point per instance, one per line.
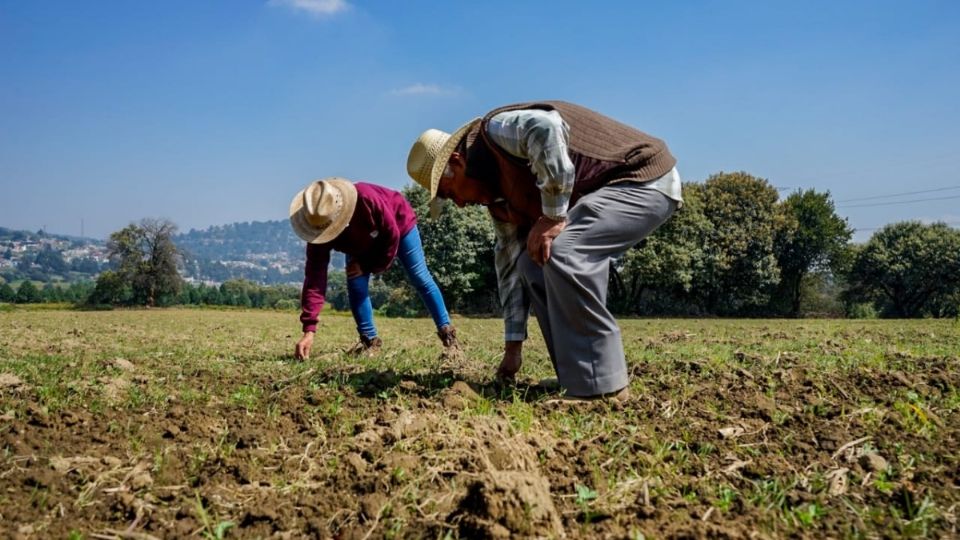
(240, 241)
(261, 251)
(11, 235)
(266, 252)
(45, 257)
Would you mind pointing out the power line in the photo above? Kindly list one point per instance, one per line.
(900, 194)
(897, 202)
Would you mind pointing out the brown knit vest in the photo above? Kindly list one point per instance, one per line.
(602, 151)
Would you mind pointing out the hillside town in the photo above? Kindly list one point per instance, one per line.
(46, 257)
(262, 252)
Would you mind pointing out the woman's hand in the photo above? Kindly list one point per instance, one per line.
(302, 351)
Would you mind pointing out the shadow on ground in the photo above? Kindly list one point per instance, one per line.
(380, 383)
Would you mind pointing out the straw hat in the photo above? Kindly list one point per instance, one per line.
(430, 154)
(322, 210)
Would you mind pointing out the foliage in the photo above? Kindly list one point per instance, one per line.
(7, 294)
(52, 293)
(813, 238)
(731, 249)
(909, 269)
(658, 275)
(112, 289)
(458, 247)
(28, 293)
(50, 260)
(85, 265)
(145, 260)
(268, 252)
(741, 266)
(714, 256)
(243, 293)
(76, 292)
(235, 240)
(820, 293)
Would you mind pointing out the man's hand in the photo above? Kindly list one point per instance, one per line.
(541, 238)
(512, 359)
(302, 351)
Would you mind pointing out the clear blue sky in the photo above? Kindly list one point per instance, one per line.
(213, 112)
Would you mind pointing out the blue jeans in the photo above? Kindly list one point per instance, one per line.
(410, 254)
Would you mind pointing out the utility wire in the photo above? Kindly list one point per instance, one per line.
(897, 202)
(899, 194)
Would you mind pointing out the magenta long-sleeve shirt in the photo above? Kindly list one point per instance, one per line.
(381, 218)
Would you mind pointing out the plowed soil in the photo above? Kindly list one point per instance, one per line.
(170, 424)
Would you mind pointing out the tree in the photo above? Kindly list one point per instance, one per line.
(190, 294)
(111, 288)
(7, 294)
(238, 292)
(52, 293)
(28, 293)
(740, 266)
(78, 291)
(146, 258)
(822, 295)
(657, 275)
(85, 265)
(211, 296)
(909, 269)
(813, 239)
(458, 247)
(50, 260)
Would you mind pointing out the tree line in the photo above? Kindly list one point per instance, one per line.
(733, 249)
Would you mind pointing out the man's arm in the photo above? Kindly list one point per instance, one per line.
(541, 138)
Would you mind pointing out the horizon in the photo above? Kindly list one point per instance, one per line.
(215, 114)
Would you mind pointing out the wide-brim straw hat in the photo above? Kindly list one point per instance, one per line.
(429, 156)
(322, 210)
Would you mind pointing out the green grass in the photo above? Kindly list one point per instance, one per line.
(254, 429)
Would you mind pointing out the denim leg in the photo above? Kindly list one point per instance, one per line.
(358, 290)
(410, 254)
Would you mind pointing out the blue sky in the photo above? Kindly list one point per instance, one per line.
(213, 112)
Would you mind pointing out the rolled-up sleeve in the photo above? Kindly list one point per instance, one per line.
(540, 137)
(513, 297)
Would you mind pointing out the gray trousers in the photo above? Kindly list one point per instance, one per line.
(569, 293)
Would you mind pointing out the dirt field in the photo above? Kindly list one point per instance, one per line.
(166, 424)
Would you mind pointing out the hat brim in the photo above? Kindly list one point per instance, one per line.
(443, 156)
(436, 207)
(316, 235)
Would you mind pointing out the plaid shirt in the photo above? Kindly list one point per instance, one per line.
(540, 137)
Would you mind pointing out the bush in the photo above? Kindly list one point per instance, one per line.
(287, 303)
(402, 302)
(28, 293)
(862, 310)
